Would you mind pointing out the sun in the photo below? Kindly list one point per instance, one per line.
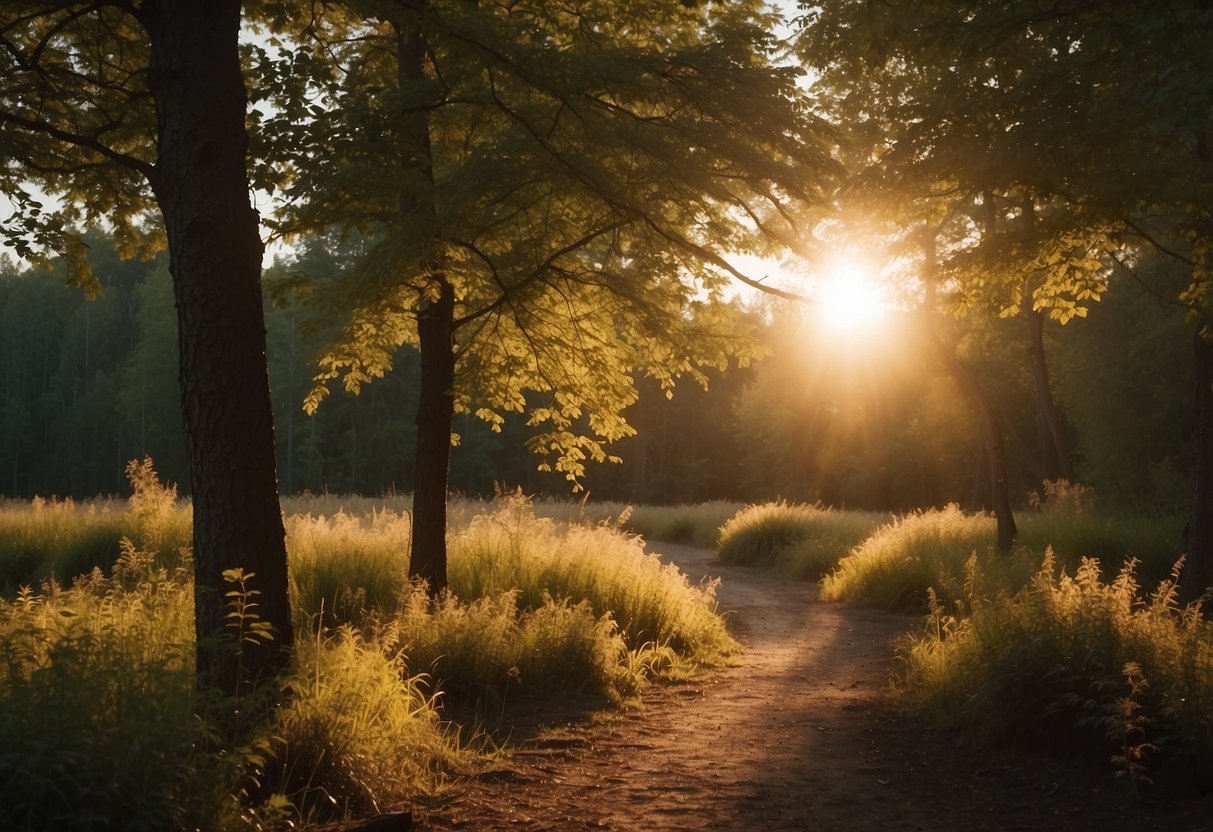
(849, 299)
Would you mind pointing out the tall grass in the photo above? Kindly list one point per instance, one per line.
(695, 524)
(49, 539)
(899, 562)
(96, 707)
(346, 564)
(100, 724)
(1073, 662)
(923, 551)
(798, 541)
(512, 549)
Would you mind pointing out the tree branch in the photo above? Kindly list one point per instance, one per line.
(90, 142)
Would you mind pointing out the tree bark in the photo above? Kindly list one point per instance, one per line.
(435, 332)
(1198, 569)
(435, 413)
(201, 183)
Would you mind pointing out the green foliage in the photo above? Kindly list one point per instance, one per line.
(1072, 662)
(799, 541)
(97, 703)
(574, 269)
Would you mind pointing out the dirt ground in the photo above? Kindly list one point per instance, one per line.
(804, 732)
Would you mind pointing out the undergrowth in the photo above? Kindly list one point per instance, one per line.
(798, 541)
(1073, 663)
(900, 561)
(101, 725)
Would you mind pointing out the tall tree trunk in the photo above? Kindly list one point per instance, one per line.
(995, 448)
(435, 412)
(1198, 571)
(215, 252)
(435, 331)
(1056, 461)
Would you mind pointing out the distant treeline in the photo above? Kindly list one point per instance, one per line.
(90, 384)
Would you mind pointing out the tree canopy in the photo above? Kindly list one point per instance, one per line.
(561, 186)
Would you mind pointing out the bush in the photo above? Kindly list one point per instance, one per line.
(1075, 663)
(799, 541)
(929, 550)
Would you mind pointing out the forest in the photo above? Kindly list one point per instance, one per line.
(384, 376)
(91, 384)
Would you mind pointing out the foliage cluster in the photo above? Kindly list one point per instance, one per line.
(1073, 662)
(880, 430)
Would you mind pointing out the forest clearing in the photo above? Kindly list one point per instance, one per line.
(888, 325)
(485, 709)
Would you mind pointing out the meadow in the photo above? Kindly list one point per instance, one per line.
(1075, 643)
(100, 723)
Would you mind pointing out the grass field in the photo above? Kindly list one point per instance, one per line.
(100, 723)
(99, 719)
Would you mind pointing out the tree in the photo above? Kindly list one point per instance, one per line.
(1100, 110)
(115, 108)
(551, 191)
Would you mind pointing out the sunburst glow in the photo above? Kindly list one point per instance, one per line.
(849, 298)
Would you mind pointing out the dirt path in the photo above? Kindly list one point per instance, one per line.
(804, 732)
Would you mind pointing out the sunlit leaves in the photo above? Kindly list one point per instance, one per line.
(77, 122)
(588, 163)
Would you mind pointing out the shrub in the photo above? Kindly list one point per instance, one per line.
(929, 550)
(799, 541)
(1073, 662)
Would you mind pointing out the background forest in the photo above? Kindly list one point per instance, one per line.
(851, 422)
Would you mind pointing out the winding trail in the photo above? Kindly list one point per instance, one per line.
(803, 732)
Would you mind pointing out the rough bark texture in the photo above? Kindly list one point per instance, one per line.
(1198, 572)
(436, 335)
(201, 183)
